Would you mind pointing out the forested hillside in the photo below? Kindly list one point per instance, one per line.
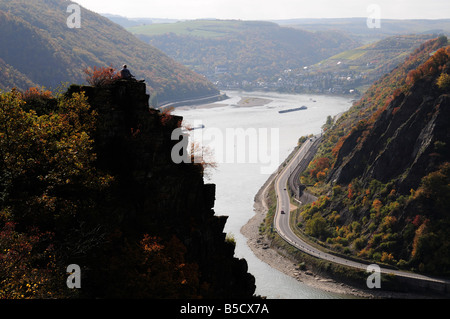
(37, 47)
(358, 68)
(382, 171)
(242, 53)
(357, 27)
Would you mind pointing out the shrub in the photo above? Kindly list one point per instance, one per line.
(101, 76)
(359, 243)
(443, 81)
(402, 264)
(36, 93)
(302, 266)
(387, 258)
(230, 239)
(376, 256)
(40, 100)
(316, 227)
(337, 190)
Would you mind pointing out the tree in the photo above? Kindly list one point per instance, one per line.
(101, 76)
(48, 182)
(444, 81)
(376, 205)
(316, 226)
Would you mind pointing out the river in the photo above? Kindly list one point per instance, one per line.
(237, 182)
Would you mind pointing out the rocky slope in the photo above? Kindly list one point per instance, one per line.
(401, 142)
(385, 182)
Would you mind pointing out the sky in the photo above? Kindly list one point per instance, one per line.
(269, 9)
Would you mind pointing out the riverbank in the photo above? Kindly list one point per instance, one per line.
(281, 261)
(193, 102)
(261, 248)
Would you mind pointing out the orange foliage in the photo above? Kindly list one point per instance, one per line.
(321, 165)
(167, 272)
(395, 110)
(321, 176)
(338, 146)
(150, 244)
(350, 191)
(417, 220)
(387, 258)
(431, 67)
(35, 93)
(166, 115)
(100, 76)
(377, 204)
(27, 266)
(419, 233)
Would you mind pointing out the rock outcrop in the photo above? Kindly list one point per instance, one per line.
(387, 193)
(401, 144)
(155, 195)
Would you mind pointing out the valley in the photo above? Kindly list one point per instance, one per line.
(244, 159)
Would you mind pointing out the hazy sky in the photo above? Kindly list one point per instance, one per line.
(269, 9)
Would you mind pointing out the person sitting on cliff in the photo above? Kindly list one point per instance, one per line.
(125, 73)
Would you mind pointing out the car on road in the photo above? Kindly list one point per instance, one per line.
(282, 211)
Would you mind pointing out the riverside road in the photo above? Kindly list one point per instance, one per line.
(282, 216)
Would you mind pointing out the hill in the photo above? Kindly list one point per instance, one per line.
(357, 27)
(133, 22)
(355, 69)
(13, 78)
(247, 54)
(39, 47)
(382, 171)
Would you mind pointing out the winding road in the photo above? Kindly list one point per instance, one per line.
(282, 217)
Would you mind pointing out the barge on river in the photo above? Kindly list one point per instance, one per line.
(293, 110)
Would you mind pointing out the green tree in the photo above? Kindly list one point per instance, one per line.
(316, 226)
(444, 81)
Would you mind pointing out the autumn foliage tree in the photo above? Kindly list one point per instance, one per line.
(101, 76)
(57, 208)
(21, 255)
(317, 170)
(47, 180)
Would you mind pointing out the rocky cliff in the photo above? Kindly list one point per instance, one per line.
(385, 197)
(152, 195)
(401, 143)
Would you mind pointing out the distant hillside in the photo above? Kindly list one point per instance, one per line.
(13, 78)
(37, 47)
(358, 68)
(383, 170)
(358, 27)
(132, 22)
(242, 53)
